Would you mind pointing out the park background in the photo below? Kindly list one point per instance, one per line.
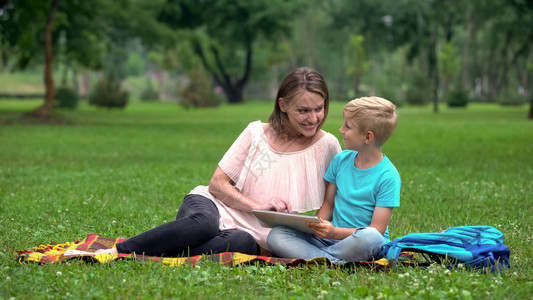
(110, 112)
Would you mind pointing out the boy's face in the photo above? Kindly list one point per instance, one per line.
(353, 138)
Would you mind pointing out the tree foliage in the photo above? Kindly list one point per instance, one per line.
(82, 32)
(358, 64)
(449, 40)
(445, 44)
(223, 33)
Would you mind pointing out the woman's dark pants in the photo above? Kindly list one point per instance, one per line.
(195, 231)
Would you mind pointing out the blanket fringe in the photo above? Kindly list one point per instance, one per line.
(55, 253)
(55, 247)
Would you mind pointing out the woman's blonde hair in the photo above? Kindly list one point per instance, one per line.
(294, 83)
(372, 114)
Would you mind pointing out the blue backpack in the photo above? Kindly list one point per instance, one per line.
(473, 246)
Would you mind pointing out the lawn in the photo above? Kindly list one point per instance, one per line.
(120, 172)
(22, 82)
(31, 82)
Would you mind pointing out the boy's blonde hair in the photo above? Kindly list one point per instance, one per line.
(372, 114)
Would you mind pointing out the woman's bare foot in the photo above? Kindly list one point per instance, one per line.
(112, 251)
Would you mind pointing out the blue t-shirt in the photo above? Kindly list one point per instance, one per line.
(359, 191)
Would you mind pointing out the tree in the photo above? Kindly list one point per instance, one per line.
(522, 35)
(449, 65)
(31, 26)
(45, 109)
(495, 31)
(23, 25)
(358, 64)
(223, 33)
(88, 31)
(434, 21)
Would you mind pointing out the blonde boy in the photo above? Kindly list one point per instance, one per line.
(362, 188)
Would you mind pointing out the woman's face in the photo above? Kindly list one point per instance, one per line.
(305, 112)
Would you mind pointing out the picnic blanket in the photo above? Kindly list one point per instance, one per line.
(57, 253)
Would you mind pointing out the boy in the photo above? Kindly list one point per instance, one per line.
(362, 188)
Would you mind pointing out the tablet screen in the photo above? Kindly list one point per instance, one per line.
(296, 221)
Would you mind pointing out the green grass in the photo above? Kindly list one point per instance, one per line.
(32, 82)
(22, 82)
(118, 173)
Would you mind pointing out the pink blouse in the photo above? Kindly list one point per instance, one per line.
(261, 173)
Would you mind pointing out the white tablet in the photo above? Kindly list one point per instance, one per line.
(275, 218)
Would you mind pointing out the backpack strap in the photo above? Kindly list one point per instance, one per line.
(390, 250)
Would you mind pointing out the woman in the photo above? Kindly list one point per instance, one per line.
(274, 166)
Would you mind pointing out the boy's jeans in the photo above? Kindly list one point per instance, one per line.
(362, 245)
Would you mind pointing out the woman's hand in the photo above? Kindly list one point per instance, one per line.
(275, 204)
(222, 187)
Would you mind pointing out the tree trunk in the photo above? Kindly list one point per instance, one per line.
(45, 110)
(233, 89)
(234, 95)
(356, 84)
(434, 66)
(85, 85)
(75, 85)
(531, 107)
(445, 87)
(339, 88)
(465, 70)
(503, 80)
(160, 77)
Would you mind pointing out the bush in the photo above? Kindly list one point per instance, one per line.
(67, 97)
(511, 98)
(198, 93)
(419, 90)
(397, 101)
(391, 92)
(149, 93)
(108, 93)
(482, 99)
(458, 98)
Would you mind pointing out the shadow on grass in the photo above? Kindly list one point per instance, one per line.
(30, 118)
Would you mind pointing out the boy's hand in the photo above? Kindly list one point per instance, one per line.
(323, 230)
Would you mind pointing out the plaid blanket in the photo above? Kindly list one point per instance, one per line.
(55, 253)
